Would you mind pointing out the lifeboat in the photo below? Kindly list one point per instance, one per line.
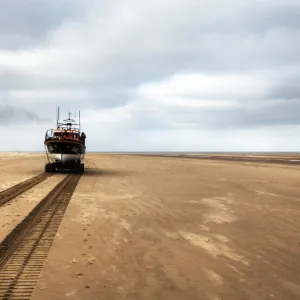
(65, 146)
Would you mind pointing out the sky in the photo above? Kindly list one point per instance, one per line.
(182, 75)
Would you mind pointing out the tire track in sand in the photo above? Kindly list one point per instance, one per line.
(17, 209)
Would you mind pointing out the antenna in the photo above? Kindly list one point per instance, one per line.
(76, 113)
(57, 122)
(79, 122)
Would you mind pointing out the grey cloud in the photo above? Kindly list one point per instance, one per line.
(187, 43)
(255, 115)
(283, 113)
(261, 18)
(25, 23)
(12, 115)
(286, 88)
(148, 120)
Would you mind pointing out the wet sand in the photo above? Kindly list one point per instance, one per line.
(267, 158)
(163, 228)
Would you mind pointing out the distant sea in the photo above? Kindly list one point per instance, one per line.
(200, 152)
(179, 152)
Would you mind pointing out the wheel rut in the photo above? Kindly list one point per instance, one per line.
(18, 189)
(24, 251)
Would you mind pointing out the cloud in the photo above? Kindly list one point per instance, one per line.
(24, 24)
(146, 73)
(209, 87)
(12, 115)
(220, 102)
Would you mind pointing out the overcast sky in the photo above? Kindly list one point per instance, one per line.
(182, 75)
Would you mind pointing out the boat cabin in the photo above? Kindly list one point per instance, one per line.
(66, 134)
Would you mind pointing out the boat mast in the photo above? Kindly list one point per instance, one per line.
(57, 122)
(79, 122)
(67, 123)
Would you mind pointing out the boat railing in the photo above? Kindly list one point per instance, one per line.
(53, 134)
(50, 135)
